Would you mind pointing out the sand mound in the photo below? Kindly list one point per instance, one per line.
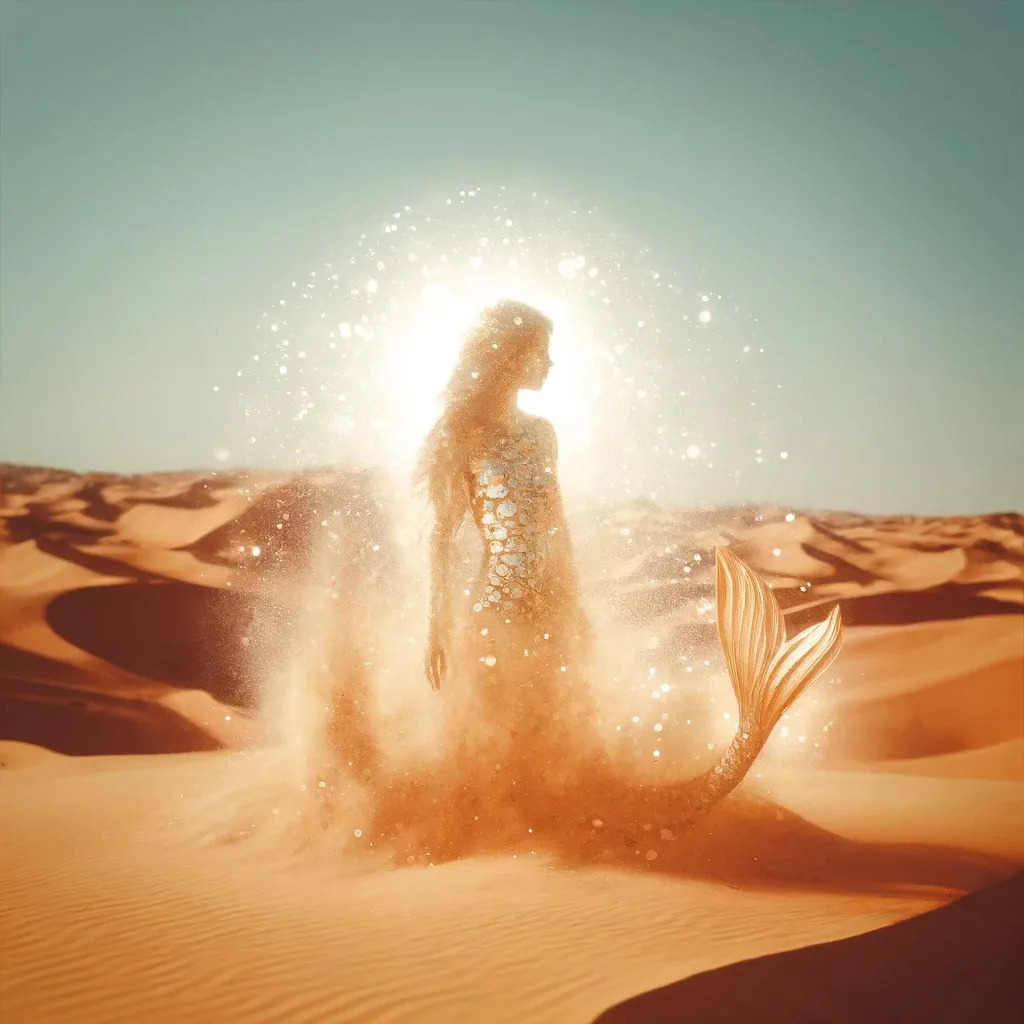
(145, 921)
(931, 689)
(957, 963)
(23, 755)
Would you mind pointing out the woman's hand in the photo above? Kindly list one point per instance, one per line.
(435, 664)
(439, 631)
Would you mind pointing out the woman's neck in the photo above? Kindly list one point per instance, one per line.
(501, 412)
(510, 413)
(492, 413)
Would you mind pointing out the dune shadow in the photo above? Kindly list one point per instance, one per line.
(198, 495)
(958, 963)
(36, 520)
(27, 666)
(176, 633)
(948, 602)
(293, 524)
(35, 523)
(844, 570)
(821, 527)
(902, 607)
(63, 547)
(96, 504)
(752, 842)
(746, 842)
(1012, 522)
(82, 722)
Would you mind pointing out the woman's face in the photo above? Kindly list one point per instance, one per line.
(535, 373)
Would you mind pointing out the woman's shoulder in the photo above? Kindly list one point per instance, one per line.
(542, 432)
(501, 440)
(539, 426)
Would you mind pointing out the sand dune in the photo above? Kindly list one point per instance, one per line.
(140, 616)
(957, 963)
(143, 920)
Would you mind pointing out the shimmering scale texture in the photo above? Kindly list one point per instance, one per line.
(519, 716)
(513, 491)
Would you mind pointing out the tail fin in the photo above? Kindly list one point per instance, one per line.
(767, 672)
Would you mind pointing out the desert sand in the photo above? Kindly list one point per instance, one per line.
(156, 861)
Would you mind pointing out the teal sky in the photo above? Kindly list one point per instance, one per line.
(852, 171)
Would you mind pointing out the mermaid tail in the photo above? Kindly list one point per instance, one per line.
(767, 671)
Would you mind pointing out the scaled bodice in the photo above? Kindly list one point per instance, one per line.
(514, 504)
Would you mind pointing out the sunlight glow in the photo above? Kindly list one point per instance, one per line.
(356, 356)
(423, 341)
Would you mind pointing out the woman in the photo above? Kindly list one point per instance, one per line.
(509, 654)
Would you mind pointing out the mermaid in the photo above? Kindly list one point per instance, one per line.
(511, 653)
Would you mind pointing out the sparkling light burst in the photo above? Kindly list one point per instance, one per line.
(647, 372)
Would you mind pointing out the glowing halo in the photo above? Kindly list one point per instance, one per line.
(644, 392)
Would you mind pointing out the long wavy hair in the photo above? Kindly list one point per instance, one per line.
(490, 365)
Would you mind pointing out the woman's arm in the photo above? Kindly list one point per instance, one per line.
(549, 451)
(442, 536)
(558, 527)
